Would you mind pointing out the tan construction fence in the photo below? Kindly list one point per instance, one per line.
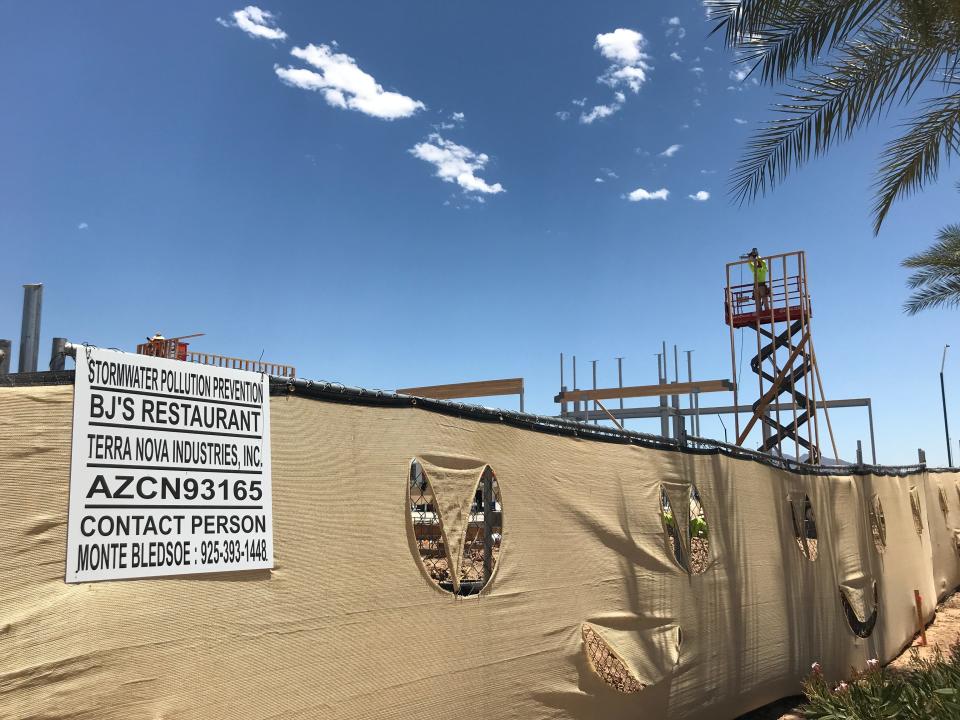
(595, 607)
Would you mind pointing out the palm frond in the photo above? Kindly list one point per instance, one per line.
(825, 108)
(914, 159)
(940, 293)
(800, 39)
(938, 273)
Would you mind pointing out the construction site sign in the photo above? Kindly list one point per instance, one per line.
(170, 470)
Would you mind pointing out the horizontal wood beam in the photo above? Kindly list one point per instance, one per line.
(482, 388)
(684, 388)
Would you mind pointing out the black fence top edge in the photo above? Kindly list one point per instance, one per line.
(336, 392)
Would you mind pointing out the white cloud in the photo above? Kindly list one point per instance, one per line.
(632, 77)
(675, 27)
(344, 85)
(598, 112)
(708, 172)
(740, 121)
(641, 194)
(739, 74)
(255, 23)
(458, 117)
(623, 46)
(82, 226)
(609, 173)
(700, 196)
(598, 180)
(697, 69)
(676, 56)
(671, 151)
(562, 114)
(456, 164)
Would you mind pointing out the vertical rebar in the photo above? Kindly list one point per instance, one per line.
(595, 420)
(30, 327)
(662, 380)
(620, 379)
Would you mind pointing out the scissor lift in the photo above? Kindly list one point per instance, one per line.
(789, 383)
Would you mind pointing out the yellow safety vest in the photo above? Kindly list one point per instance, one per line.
(759, 270)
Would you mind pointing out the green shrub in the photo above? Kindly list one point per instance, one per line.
(927, 690)
(698, 526)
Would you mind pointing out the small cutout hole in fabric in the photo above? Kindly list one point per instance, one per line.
(483, 534)
(699, 534)
(878, 525)
(607, 664)
(859, 622)
(674, 541)
(688, 538)
(915, 509)
(804, 527)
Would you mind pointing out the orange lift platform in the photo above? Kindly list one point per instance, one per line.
(785, 363)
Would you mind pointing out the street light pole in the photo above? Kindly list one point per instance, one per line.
(943, 396)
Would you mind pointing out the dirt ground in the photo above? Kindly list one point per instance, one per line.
(943, 631)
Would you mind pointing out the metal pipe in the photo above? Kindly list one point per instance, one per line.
(30, 327)
(943, 396)
(873, 444)
(594, 387)
(662, 380)
(58, 354)
(620, 377)
(5, 352)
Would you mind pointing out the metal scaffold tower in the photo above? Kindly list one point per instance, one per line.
(770, 295)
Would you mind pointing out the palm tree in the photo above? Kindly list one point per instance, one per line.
(937, 276)
(847, 63)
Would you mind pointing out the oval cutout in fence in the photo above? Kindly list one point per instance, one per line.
(689, 546)
(699, 534)
(606, 663)
(804, 527)
(878, 524)
(669, 520)
(915, 509)
(860, 627)
(482, 534)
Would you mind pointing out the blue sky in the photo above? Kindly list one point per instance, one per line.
(404, 193)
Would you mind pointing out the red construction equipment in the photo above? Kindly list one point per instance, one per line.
(175, 349)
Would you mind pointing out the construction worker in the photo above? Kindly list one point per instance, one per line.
(761, 291)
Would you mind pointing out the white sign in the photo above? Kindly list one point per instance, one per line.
(171, 469)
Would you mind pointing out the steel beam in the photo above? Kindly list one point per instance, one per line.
(655, 412)
(663, 390)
